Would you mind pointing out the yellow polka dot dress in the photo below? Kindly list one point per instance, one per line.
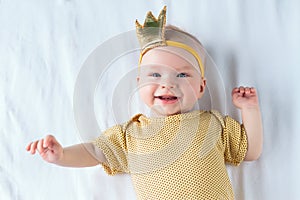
(176, 157)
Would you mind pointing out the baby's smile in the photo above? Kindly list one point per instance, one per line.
(167, 99)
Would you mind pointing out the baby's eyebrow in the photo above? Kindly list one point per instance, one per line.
(152, 65)
(149, 68)
(185, 68)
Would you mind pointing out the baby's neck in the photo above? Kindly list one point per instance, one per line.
(155, 114)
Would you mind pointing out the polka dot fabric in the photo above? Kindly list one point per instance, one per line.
(176, 157)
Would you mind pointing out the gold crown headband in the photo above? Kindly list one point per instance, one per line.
(152, 34)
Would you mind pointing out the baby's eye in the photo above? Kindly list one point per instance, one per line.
(155, 75)
(182, 75)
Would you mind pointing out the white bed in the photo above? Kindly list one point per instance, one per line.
(45, 44)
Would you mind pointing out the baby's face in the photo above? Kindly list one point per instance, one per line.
(168, 84)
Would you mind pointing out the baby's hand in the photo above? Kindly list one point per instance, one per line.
(245, 97)
(49, 149)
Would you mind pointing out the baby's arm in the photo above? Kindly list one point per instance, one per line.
(246, 99)
(80, 155)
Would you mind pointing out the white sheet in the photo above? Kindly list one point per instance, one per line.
(43, 45)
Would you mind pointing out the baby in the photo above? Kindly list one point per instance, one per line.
(180, 153)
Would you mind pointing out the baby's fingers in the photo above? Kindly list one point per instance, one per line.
(235, 91)
(250, 92)
(253, 90)
(31, 147)
(28, 146)
(49, 142)
(247, 90)
(242, 89)
(40, 146)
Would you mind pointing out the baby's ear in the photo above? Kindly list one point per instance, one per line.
(137, 79)
(203, 85)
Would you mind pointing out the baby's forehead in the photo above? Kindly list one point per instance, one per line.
(185, 60)
(158, 67)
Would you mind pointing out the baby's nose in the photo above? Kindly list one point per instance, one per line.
(168, 83)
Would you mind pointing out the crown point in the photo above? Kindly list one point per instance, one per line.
(163, 12)
(137, 24)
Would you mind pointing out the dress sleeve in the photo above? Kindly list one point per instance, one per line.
(234, 139)
(112, 143)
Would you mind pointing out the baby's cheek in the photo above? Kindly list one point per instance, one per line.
(193, 94)
(146, 93)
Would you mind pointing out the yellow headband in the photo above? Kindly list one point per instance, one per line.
(185, 47)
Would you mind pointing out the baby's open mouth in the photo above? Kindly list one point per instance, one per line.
(167, 97)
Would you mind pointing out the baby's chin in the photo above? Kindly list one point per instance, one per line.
(157, 111)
